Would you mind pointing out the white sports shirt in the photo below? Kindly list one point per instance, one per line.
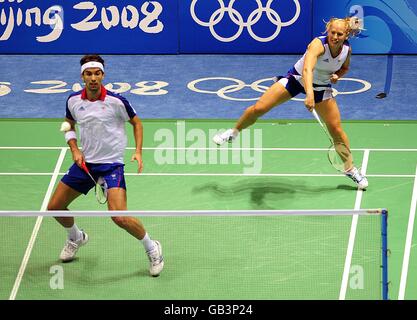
(101, 124)
(326, 65)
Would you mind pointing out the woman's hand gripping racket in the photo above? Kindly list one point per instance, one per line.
(339, 154)
(100, 187)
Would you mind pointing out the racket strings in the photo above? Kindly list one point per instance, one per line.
(100, 186)
(339, 154)
(340, 157)
(101, 190)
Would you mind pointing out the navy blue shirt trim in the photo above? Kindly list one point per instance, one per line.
(129, 109)
(68, 114)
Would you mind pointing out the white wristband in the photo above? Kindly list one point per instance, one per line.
(70, 135)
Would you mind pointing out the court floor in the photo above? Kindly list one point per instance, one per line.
(277, 165)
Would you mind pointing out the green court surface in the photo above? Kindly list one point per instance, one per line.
(274, 166)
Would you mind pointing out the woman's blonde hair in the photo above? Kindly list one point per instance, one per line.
(353, 25)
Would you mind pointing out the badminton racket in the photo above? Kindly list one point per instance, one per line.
(100, 189)
(338, 154)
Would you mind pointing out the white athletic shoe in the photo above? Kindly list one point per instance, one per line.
(358, 178)
(71, 248)
(156, 259)
(229, 135)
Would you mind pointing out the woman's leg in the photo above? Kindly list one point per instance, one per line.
(275, 95)
(329, 112)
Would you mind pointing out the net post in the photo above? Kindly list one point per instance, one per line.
(384, 235)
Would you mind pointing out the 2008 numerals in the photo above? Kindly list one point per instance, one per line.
(148, 88)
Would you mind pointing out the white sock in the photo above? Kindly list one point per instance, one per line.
(147, 242)
(74, 233)
(352, 170)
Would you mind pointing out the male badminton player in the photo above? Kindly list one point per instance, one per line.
(326, 60)
(101, 117)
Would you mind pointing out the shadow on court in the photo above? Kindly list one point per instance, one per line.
(87, 271)
(259, 190)
(347, 187)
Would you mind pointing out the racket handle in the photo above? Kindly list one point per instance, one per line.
(314, 112)
(84, 167)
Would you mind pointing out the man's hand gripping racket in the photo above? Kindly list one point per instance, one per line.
(99, 189)
(339, 154)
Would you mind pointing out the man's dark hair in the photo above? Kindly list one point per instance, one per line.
(91, 57)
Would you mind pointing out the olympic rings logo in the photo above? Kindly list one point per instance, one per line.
(257, 86)
(237, 19)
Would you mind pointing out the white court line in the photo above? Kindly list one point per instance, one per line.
(408, 241)
(37, 225)
(218, 174)
(352, 234)
(229, 148)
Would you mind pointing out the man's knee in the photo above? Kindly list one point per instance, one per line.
(122, 222)
(62, 197)
(53, 205)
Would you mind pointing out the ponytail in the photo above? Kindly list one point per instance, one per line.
(353, 25)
